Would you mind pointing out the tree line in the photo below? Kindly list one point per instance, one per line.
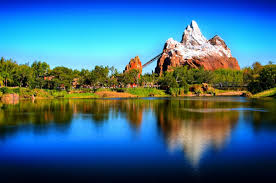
(40, 75)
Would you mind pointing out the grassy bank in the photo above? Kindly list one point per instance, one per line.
(267, 93)
(80, 95)
(146, 92)
(27, 93)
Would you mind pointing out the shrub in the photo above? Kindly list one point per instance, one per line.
(26, 92)
(198, 91)
(267, 93)
(255, 87)
(247, 94)
(102, 89)
(87, 90)
(1, 94)
(105, 95)
(41, 93)
(145, 92)
(211, 91)
(173, 91)
(16, 90)
(186, 88)
(58, 94)
(181, 91)
(120, 89)
(268, 77)
(6, 90)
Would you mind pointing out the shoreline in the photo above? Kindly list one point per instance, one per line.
(119, 95)
(133, 93)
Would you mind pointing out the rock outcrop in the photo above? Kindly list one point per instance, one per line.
(10, 98)
(196, 51)
(134, 63)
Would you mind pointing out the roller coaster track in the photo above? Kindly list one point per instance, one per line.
(152, 60)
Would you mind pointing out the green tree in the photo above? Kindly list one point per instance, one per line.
(131, 77)
(40, 70)
(228, 77)
(268, 77)
(7, 71)
(260, 77)
(1, 81)
(23, 76)
(148, 79)
(168, 80)
(85, 78)
(99, 76)
(62, 78)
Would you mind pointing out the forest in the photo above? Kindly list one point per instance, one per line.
(39, 75)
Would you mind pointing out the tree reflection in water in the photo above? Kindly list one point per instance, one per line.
(190, 125)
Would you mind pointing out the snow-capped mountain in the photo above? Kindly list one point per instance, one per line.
(196, 51)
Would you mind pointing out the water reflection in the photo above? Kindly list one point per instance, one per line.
(189, 125)
(196, 129)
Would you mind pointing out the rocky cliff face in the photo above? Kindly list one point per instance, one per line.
(196, 51)
(134, 63)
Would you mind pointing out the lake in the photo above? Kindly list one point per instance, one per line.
(196, 139)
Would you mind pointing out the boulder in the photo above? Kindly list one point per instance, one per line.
(10, 98)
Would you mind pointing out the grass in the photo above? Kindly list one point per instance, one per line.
(80, 95)
(146, 92)
(27, 93)
(217, 91)
(267, 93)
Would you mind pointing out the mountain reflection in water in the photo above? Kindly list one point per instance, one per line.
(192, 126)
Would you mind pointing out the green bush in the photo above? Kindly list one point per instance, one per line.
(261, 78)
(178, 91)
(26, 92)
(58, 94)
(87, 90)
(16, 90)
(181, 91)
(255, 87)
(174, 92)
(268, 77)
(186, 88)
(145, 92)
(102, 89)
(267, 93)
(41, 93)
(80, 95)
(198, 91)
(211, 91)
(228, 76)
(120, 89)
(6, 90)
(1, 94)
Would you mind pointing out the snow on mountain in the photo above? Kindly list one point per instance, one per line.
(194, 44)
(196, 51)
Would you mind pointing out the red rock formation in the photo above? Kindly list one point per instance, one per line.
(134, 63)
(10, 98)
(196, 51)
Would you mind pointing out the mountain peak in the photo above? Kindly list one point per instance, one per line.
(196, 51)
(194, 25)
(192, 35)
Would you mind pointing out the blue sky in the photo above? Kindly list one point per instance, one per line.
(82, 34)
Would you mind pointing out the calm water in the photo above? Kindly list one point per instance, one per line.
(216, 139)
